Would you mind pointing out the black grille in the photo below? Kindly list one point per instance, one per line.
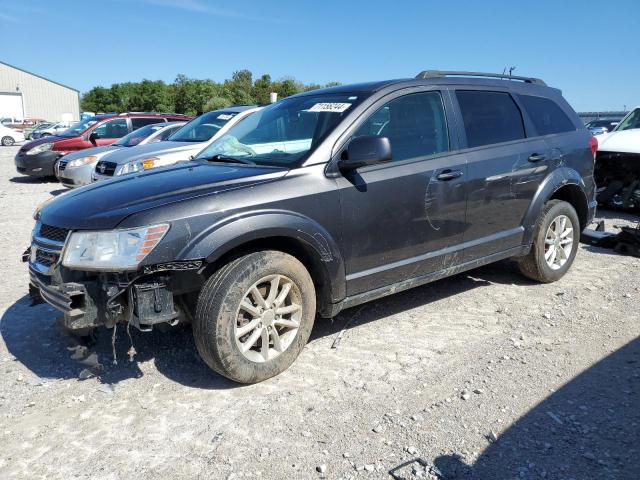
(53, 233)
(46, 258)
(106, 168)
(62, 166)
(21, 169)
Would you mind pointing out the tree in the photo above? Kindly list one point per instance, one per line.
(190, 96)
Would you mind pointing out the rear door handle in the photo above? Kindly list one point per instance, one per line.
(447, 175)
(534, 157)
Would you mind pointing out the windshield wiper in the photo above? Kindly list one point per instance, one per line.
(225, 159)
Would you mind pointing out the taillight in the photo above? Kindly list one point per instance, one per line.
(593, 145)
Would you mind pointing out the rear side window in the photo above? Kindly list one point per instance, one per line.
(489, 117)
(137, 122)
(546, 115)
(415, 125)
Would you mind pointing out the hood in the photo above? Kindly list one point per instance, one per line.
(32, 143)
(141, 152)
(623, 141)
(97, 151)
(103, 205)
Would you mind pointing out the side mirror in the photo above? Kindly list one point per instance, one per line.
(366, 150)
(93, 136)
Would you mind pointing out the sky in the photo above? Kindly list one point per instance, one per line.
(588, 49)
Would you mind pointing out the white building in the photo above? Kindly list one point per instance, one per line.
(27, 95)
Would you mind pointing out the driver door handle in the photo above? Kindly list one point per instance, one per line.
(447, 175)
(534, 157)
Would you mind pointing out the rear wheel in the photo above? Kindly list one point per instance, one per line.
(8, 141)
(254, 316)
(555, 243)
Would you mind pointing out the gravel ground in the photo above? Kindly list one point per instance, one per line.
(483, 375)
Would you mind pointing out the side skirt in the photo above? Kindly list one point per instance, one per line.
(364, 297)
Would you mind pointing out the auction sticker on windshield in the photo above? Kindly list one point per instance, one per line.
(225, 116)
(329, 107)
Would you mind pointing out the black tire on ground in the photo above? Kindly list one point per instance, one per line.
(8, 141)
(217, 312)
(534, 265)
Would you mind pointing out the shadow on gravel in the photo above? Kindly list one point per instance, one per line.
(588, 429)
(505, 272)
(34, 338)
(27, 179)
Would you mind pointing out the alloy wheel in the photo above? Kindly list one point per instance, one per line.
(268, 318)
(558, 242)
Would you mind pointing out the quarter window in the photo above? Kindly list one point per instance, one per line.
(414, 124)
(489, 117)
(546, 115)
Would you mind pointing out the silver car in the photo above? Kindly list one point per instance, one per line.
(75, 169)
(186, 142)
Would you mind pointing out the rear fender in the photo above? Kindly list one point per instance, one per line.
(559, 178)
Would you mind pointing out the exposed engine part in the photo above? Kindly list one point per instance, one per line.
(626, 242)
(617, 177)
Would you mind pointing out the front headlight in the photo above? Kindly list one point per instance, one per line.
(112, 250)
(78, 162)
(138, 166)
(43, 147)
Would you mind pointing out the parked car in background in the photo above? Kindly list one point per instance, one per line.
(52, 130)
(38, 126)
(75, 169)
(9, 121)
(320, 202)
(617, 169)
(9, 136)
(184, 143)
(600, 126)
(38, 157)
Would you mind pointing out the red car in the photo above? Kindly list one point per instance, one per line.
(38, 157)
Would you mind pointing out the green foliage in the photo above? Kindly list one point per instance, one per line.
(190, 96)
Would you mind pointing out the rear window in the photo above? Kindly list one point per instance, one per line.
(489, 117)
(546, 115)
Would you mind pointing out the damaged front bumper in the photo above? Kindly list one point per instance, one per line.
(87, 299)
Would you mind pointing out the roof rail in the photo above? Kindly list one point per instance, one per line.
(444, 73)
(154, 113)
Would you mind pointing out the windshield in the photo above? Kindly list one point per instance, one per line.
(630, 121)
(284, 133)
(135, 137)
(79, 127)
(202, 128)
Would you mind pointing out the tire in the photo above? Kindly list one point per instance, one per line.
(219, 320)
(541, 264)
(7, 141)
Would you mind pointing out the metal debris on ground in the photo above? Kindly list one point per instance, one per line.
(625, 242)
(338, 339)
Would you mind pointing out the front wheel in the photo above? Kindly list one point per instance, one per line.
(254, 316)
(8, 141)
(555, 243)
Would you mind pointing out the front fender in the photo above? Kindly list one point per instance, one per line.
(237, 230)
(557, 179)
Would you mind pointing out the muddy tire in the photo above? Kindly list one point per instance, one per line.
(555, 243)
(254, 316)
(7, 141)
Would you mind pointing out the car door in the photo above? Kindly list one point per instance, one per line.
(111, 130)
(505, 168)
(404, 218)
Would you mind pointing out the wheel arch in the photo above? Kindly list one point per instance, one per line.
(291, 233)
(562, 184)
